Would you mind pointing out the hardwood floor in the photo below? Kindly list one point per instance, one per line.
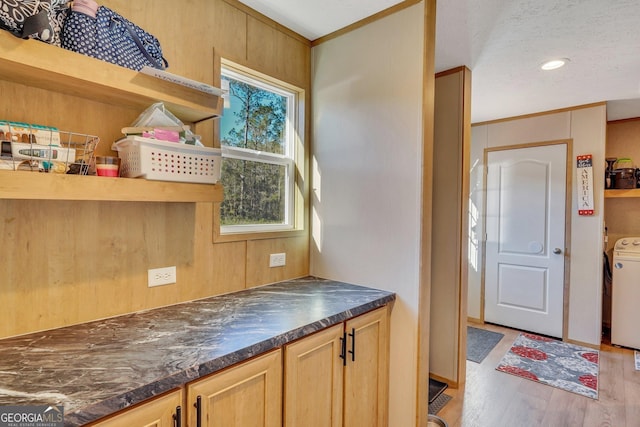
(491, 398)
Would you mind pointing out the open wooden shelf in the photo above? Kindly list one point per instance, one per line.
(41, 65)
(34, 63)
(632, 192)
(20, 185)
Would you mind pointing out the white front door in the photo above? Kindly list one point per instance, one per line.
(525, 232)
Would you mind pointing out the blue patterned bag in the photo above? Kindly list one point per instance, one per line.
(112, 38)
(34, 19)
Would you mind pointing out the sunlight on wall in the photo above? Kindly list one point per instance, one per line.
(473, 253)
(316, 193)
(475, 227)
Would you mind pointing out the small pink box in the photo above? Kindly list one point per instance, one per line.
(163, 135)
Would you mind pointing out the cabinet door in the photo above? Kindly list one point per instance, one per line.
(313, 380)
(155, 413)
(246, 395)
(366, 376)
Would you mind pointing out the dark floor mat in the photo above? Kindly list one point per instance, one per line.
(435, 389)
(480, 343)
(438, 403)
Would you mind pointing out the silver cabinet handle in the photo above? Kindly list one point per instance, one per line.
(557, 251)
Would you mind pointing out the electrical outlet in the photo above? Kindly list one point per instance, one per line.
(277, 260)
(161, 276)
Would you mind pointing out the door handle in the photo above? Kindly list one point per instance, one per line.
(343, 348)
(177, 417)
(353, 344)
(557, 251)
(198, 406)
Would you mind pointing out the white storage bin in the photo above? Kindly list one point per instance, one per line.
(168, 161)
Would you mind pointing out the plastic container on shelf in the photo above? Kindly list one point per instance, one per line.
(168, 161)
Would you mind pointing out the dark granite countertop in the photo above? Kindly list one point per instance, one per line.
(95, 369)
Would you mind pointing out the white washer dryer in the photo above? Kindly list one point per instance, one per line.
(625, 290)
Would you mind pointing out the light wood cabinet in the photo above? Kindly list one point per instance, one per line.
(159, 412)
(366, 380)
(314, 379)
(339, 376)
(246, 395)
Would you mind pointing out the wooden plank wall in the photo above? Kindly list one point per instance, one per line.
(66, 262)
(447, 349)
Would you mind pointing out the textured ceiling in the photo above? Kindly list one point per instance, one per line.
(504, 42)
(316, 18)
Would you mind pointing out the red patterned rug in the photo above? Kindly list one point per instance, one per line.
(555, 363)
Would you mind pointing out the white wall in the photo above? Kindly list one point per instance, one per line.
(587, 128)
(366, 175)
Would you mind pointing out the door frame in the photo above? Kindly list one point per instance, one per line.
(567, 223)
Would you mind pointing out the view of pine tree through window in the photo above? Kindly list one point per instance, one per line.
(257, 160)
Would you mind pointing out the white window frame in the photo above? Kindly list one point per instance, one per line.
(287, 159)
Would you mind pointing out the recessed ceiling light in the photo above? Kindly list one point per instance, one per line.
(554, 64)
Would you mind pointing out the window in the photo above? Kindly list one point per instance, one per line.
(257, 135)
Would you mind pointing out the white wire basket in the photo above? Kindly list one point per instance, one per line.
(27, 147)
(168, 161)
